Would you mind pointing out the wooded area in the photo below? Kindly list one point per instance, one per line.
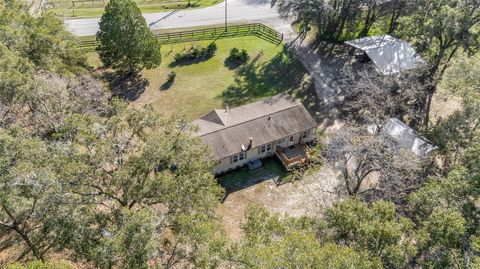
(88, 181)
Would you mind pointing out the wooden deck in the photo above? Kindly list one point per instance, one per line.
(294, 155)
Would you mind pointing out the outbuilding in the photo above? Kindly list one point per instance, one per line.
(389, 54)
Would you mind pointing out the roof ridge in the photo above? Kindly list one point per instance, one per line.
(297, 104)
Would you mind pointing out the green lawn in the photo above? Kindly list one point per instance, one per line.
(201, 87)
(145, 7)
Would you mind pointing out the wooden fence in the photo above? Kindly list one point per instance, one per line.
(253, 29)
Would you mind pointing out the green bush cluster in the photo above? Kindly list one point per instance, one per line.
(195, 53)
(239, 56)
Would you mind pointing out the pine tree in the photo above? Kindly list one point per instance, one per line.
(126, 43)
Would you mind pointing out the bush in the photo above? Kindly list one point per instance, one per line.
(171, 76)
(240, 57)
(196, 53)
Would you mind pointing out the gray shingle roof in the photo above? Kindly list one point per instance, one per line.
(265, 121)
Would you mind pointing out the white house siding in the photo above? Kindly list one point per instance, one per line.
(226, 164)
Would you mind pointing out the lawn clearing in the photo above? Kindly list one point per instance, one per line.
(206, 85)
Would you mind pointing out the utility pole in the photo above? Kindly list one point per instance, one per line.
(226, 12)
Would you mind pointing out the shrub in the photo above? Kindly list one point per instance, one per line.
(196, 53)
(211, 49)
(239, 57)
(171, 76)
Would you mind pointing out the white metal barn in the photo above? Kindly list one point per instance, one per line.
(390, 55)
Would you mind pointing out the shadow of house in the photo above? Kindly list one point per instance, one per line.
(128, 87)
(243, 178)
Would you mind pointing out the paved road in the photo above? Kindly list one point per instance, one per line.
(238, 10)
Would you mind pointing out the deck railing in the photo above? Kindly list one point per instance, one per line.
(288, 163)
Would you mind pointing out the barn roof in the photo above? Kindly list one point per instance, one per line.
(390, 55)
(226, 130)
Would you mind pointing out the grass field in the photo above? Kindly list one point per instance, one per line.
(203, 86)
(65, 9)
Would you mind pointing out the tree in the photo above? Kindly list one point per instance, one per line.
(330, 17)
(396, 9)
(34, 203)
(272, 242)
(42, 265)
(376, 229)
(439, 29)
(340, 19)
(447, 213)
(372, 99)
(31, 44)
(126, 43)
(454, 134)
(134, 164)
(360, 155)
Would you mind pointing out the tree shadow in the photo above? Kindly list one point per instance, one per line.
(254, 80)
(232, 64)
(126, 86)
(166, 85)
(198, 60)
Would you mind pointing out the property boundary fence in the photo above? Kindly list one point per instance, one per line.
(253, 29)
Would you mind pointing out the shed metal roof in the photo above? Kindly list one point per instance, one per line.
(407, 138)
(390, 55)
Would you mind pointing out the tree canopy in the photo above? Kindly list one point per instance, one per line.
(126, 42)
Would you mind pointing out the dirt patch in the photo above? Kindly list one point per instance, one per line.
(444, 105)
(310, 197)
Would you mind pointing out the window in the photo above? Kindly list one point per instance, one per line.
(291, 138)
(239, 157)
(304, 135)
(280, 141)
(269, 147)
(262, 149)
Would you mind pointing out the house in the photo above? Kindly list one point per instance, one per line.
(390, 55)
(277, 126)
(407, 138)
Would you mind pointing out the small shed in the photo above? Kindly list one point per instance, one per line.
(390, 55)
(407, 138)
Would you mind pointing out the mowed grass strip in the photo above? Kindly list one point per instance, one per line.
(202, 86)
